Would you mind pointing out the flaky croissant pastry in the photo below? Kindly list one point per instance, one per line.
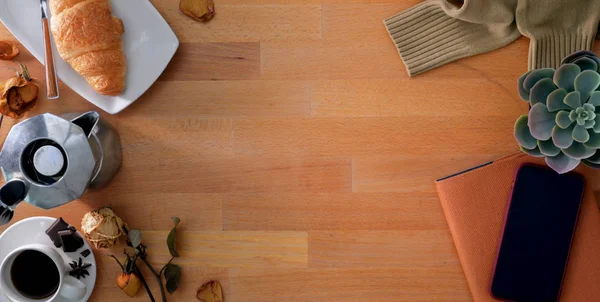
(88, 37)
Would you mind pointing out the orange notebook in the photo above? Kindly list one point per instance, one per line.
(474, 202)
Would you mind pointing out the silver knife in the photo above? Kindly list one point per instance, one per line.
(51, 78)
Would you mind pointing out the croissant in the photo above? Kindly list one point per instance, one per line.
(88, 37)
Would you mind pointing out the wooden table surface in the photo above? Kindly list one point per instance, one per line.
(299, 155)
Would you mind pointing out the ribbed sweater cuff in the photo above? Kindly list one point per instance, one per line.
(549, 50)
(426, 37)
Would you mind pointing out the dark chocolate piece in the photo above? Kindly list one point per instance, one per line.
(71, 241)
(78, 269)
(53, 230)
(86, 253)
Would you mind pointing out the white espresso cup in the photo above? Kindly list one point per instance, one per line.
(68, 287)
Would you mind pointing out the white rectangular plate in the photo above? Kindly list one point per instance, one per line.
(149, 44)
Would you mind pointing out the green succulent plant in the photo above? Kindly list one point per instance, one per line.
(563, 124)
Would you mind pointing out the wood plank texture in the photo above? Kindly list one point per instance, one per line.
(332, 211)
(346, 98)
(214, 61)
(383, 135)
(239, 249)
(400, 249)
(354, 284)
(252, 98)
(299, 155)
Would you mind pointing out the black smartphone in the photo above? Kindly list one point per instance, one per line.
(538, 230)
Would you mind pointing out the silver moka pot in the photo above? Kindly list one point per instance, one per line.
(49, 160)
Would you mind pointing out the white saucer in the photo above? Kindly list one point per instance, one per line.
(33, 230)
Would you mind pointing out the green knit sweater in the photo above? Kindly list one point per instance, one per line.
(437, 32)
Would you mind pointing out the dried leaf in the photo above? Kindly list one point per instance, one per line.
(172, 238)
(24, 72)
(172, 276)
(135, 237)
(8, 50)
(199, 10)
(210, 292)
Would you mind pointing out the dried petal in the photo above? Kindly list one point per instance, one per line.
(17, 96)
(129, 283)
(14, 100)
(8, 50)
(28, 92)
(210, 292)
(199, 10)
(123, 280)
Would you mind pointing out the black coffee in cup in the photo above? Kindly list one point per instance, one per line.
(34, 275)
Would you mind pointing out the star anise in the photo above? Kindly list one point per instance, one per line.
(78, 269)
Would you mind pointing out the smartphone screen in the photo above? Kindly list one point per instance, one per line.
(539, 227)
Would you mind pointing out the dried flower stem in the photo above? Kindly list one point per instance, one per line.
(158, 279)
(141, 276)
(163, 268)
(119, 262)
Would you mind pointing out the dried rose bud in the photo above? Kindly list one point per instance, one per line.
(8, 50)
(102, 227)
(199, 10)
(130, 283)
